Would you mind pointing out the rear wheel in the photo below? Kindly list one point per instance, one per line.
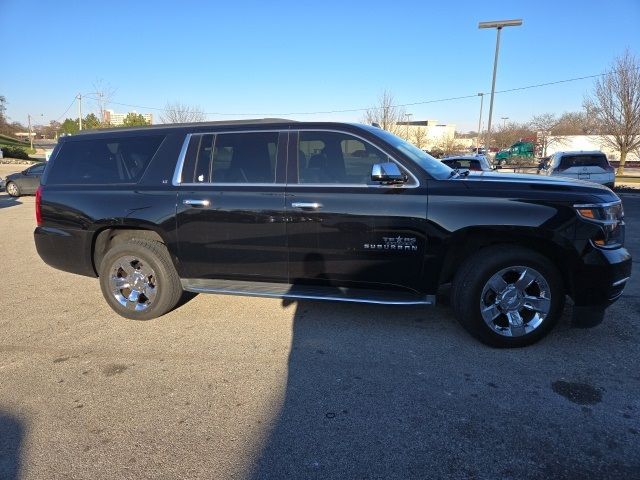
(508, 296)
(138, 280)
(13, 189)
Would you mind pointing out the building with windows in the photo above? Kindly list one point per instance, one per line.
(117, 119)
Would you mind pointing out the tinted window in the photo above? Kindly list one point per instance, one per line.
(231, 158)
(569, 161)
(104, 160)
(434, 167)
(463, 164)
(332, 157)
(37, 169)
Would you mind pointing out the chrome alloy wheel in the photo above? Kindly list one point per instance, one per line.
(133, 283)
(12, 189)
(515, 301)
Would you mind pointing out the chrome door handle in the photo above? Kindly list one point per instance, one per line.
(196, 203)
(313, 205)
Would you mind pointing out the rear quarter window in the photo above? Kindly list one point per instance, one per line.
(104, 160)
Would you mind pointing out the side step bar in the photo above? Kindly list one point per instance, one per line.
(306, 292)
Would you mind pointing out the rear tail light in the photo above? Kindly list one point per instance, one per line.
(609, 169)
(39, 206)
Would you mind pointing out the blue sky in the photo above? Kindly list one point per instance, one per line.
(260, 57)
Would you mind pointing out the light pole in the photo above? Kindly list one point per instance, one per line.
(481, 95)
(30, 134)
(408, 115)
(498, 25)
(504, 121)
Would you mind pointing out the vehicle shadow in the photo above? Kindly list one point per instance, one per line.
(7, 200)
(344, 414)
(375, 391)
(11, 438)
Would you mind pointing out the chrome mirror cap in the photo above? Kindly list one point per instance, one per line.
(387, 172)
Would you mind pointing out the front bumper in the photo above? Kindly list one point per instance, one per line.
(598, 282)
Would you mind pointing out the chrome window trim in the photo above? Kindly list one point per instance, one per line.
(351, 185)
(177, 175)
(233, 184)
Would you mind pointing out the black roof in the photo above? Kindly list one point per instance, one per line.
(165, 126)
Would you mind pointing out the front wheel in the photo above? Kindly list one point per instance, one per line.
(508, 296)
(138, 280)
(13, 189)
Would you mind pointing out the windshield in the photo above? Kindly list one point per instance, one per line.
(433, 167)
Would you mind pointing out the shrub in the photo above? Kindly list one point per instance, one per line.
(14, 152)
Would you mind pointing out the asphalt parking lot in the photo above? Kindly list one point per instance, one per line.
(234, 387)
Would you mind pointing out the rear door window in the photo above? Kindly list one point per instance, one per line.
(103, 160)
(231, 158)
(37, 169)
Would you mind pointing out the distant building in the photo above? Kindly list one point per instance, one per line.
(427, 134)
(117, 119)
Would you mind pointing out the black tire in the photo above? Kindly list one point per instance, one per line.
(472, 278)
(165, 283)
(12, 189)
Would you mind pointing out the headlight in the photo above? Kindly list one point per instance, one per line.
(609, 216)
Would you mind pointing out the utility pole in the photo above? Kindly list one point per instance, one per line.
(504, 122)
(481, 95)
(498, 25)
(79, 97)
(30, 136)
(101, 95)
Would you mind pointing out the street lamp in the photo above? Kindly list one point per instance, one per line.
(498, 25)
(504, 121)
(481, 95)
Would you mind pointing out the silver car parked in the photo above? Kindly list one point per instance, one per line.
(592, 166)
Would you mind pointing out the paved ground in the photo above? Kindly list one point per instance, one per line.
(230, 387)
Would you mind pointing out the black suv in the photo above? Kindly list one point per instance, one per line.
(330, 211)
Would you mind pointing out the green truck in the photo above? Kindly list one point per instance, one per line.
(520, 149)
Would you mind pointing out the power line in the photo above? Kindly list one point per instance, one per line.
(68, 108)
(350, 110)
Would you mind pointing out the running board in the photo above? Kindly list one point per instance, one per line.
(306, 292)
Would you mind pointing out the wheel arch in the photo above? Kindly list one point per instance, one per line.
(107, 237)
(468, 242)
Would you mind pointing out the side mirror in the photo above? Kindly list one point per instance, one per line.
(387, 172)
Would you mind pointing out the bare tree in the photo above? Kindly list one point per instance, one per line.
(449, 145)
(419, 136)
(176, 112)
(546, 129)
(615, 102)
(576, 123)
(385, 113)
(509, 133)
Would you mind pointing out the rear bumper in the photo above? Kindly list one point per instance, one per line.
(68, 249)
